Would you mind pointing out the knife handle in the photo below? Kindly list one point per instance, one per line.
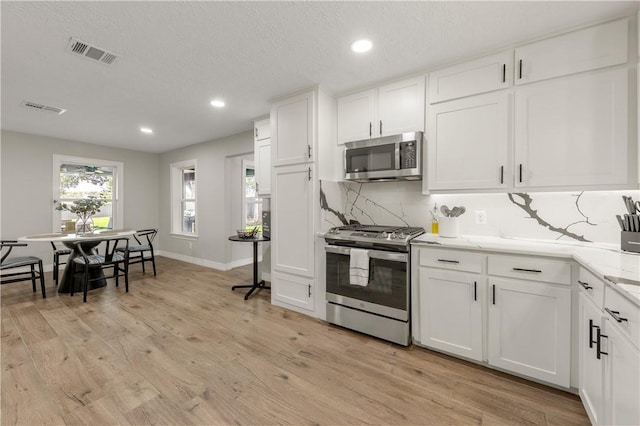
(620, 222)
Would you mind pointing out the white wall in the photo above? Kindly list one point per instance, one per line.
(211, 247)
(27, 187)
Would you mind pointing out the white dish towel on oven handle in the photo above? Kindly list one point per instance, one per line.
(359, 267)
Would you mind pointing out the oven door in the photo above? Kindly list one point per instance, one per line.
(387, 292)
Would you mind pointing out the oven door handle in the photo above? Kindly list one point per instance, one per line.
(373, 254)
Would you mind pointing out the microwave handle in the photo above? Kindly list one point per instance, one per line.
(397, 156)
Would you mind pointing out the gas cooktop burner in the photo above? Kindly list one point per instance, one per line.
(366, 235)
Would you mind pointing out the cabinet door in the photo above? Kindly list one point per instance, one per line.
(591, 369)
(401, 107)
(572, 131)
(292, 220)
(262, 152)
(468, 141)
(530, 329)
(451, 312)
(471, 78)
(588, 49)
(622, 372)
(262, 129)
(293, 129)
(356, 116)
(292, 290)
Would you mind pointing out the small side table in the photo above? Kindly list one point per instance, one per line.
(257, 285)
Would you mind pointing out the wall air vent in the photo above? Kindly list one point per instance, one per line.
(44, 108)
(79, 47)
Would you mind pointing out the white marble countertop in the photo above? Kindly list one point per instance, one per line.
(601, 259)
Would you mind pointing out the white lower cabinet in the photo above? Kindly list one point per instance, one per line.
(293, 290)
(530, 329)
(622, 377)
(526, 324)
(452, 306)
(591, 370)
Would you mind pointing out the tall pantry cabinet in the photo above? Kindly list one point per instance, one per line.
(295, 200)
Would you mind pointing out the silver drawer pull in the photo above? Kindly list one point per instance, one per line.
(615, 315)
(448, 261)
(527, 270)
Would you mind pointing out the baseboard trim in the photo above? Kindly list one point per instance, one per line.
(204, 262)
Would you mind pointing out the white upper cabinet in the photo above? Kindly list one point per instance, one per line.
(591, 48)
(293, 129)
(471, 78)
(356, 115)
(468, 140)
(388, 110)
(262, 129)
(572, 131)
(401, 107)
(262, 155)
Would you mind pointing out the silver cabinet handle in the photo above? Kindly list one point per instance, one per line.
(448, 261)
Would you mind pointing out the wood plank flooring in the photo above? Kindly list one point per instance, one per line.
(183, 349)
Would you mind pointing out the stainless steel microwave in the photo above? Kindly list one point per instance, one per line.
(389, 158)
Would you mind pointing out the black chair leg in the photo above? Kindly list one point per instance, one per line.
(33, 277)
(153, 262)
(142, 261)
(126, 276)
(85, 285)
(44, 293)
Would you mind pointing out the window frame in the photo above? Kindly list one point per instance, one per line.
(118, 187)
(177, 200)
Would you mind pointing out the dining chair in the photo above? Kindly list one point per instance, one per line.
(57, 252)
(144, 239)
(9, 263)
(112, 258)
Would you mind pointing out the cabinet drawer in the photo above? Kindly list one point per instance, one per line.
(618, 309)
(592, 287)
(451, 259)
(530, 268)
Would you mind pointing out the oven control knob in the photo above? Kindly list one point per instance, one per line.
(391, 236)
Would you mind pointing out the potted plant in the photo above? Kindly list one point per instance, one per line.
(84, 208)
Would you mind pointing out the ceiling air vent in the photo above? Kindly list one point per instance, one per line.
(45, 108)
(79, 47)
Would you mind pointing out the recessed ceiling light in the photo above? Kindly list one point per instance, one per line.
(361, 46)
(218, 103)
(146, 130)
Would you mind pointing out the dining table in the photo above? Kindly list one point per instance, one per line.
(88, 241)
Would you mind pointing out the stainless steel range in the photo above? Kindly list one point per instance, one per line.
(368, 279)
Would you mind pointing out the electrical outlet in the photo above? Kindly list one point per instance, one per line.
(481, 217)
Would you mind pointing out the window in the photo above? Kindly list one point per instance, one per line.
(183, 196)
(78, 178)
(252, 205)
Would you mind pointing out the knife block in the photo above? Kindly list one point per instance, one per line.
(630, 241)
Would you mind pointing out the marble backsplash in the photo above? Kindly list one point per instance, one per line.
(567, 216)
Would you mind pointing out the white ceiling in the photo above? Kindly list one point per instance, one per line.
(174, 57)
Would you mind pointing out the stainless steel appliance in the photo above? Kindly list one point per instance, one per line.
(381, 307)
(389, 158)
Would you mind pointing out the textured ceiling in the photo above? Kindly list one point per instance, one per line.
(174, 57)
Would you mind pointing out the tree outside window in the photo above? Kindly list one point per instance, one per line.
(78, 182)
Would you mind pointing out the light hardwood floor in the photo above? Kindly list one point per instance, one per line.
(183, 349)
